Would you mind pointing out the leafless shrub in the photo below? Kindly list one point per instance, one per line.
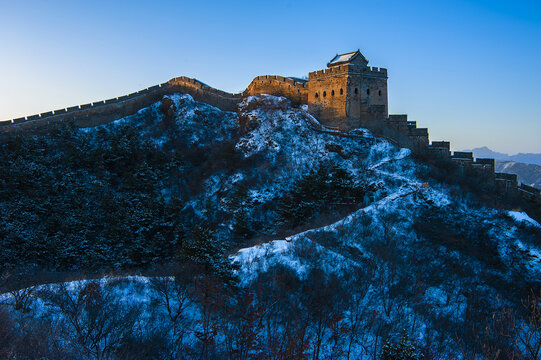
(7, 334)
(20, 289)
(528, 331)
(93, 320)
(242, 325)
(174, 295)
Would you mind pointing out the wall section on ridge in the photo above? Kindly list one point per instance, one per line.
(103, 112)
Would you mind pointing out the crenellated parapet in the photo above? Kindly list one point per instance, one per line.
(333, 71)
(294, 89)
(417, 138)
(348, 69)
(374, 72)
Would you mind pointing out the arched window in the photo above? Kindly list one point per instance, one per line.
(317, 95)
(332, 93)
(356, 91)
(341, 91)
(379, 93)
(324, 94)
(367, 91)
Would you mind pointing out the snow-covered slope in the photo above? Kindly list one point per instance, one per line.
(430, 254)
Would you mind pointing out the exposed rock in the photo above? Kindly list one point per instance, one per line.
(168, 107)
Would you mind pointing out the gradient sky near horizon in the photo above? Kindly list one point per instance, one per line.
(470, 71)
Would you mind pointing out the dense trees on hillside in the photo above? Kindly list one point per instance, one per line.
(324, 190)
(113, 199)
(75, 201)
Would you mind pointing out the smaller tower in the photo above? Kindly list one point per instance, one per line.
(348, 94)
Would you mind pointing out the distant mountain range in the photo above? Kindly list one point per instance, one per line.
(527, 158)
(529, 174)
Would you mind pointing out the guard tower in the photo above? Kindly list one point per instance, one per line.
(349, 93)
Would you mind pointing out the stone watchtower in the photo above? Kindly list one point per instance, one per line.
(348, 94)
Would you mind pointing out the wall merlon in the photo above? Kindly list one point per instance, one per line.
(485, 161)
(530, 189)
(5, 122)
(49, 113)
(60, 111)
(398, 118)
(462, 155)
(506, 176)
(441, 144)
(418, 131)
(374, 71)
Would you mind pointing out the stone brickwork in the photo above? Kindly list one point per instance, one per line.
(348, 96)
(293, 89)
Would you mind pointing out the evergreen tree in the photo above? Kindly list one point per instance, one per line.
(323, 190)
(242, 228)
(239, 203)
(204, 250)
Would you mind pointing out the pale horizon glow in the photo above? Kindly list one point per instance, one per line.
(467, 70)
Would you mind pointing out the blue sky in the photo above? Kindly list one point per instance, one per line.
(470, 71)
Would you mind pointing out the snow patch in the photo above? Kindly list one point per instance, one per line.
(522, 217)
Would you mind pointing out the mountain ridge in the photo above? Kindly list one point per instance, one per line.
(485, 152)
(529, 174)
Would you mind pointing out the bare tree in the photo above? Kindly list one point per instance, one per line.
(209, 295)
(174, 297)
(94, 321)
(242, 325)
(359, 283)
(7, 334)
(528, 332)
(21, 290)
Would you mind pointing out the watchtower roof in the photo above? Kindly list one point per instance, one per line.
(340, 59)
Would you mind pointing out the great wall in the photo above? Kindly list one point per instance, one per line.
(348, 94)
(103, 112)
